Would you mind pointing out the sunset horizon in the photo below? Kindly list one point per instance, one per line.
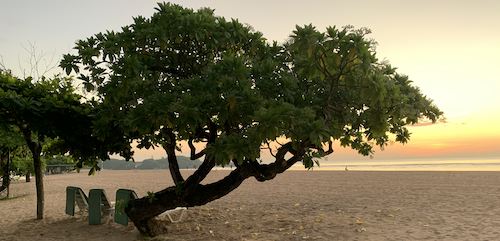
(444, 47)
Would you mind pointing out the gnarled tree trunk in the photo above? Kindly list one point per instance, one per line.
(191, 193)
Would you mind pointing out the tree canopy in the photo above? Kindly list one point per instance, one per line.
(185, 75)
(49, 109)
(40, 109)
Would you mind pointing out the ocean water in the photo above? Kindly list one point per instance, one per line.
(445, 164)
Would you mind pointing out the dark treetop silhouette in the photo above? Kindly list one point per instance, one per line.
(185, 75)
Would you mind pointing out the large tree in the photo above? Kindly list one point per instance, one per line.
(185, 75)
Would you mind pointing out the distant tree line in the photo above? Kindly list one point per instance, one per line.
(149, 164)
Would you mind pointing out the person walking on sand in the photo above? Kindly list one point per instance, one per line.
(346, 169)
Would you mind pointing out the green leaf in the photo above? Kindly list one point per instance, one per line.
(151, 197)
(6, 103)
(232, 102)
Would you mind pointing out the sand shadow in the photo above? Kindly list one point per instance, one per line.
(66, 228)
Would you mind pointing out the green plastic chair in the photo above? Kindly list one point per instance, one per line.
(99, 206)
(76, 197)
(122, 197)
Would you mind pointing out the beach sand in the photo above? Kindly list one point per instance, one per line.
(296, 205)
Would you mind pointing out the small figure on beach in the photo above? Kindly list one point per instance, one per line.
(346, 169)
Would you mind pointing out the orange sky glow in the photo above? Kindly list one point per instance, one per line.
(448, 48)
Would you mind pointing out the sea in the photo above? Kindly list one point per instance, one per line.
(414, 164)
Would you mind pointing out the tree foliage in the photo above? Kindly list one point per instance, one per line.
(359, 98)
(185, 75)
(11, 142)
(59, 117)
(29, 106)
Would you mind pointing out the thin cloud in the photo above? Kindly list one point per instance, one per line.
(445, 120)
(460, 114)
(425, 123)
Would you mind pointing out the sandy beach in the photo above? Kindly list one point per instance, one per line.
(296, 205)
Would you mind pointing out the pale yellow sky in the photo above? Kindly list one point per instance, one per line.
(448, 48)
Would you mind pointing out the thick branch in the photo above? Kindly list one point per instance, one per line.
(141, 211)
(263, 172)
(173, 165)
(207, 165)
(169, 198)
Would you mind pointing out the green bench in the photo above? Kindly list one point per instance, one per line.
(100, 206)
(122, 197)
(76, 197)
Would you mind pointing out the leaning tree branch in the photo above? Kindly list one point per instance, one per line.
(173, 165)
(194, 180)
(142, 210)
(263, 172)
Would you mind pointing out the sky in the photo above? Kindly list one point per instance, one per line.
(449, 48)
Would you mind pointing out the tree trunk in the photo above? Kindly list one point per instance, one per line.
(40, 199)
(36, 150)
(5, 174)
(28, 177)
(191, 193)
(142, 211)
